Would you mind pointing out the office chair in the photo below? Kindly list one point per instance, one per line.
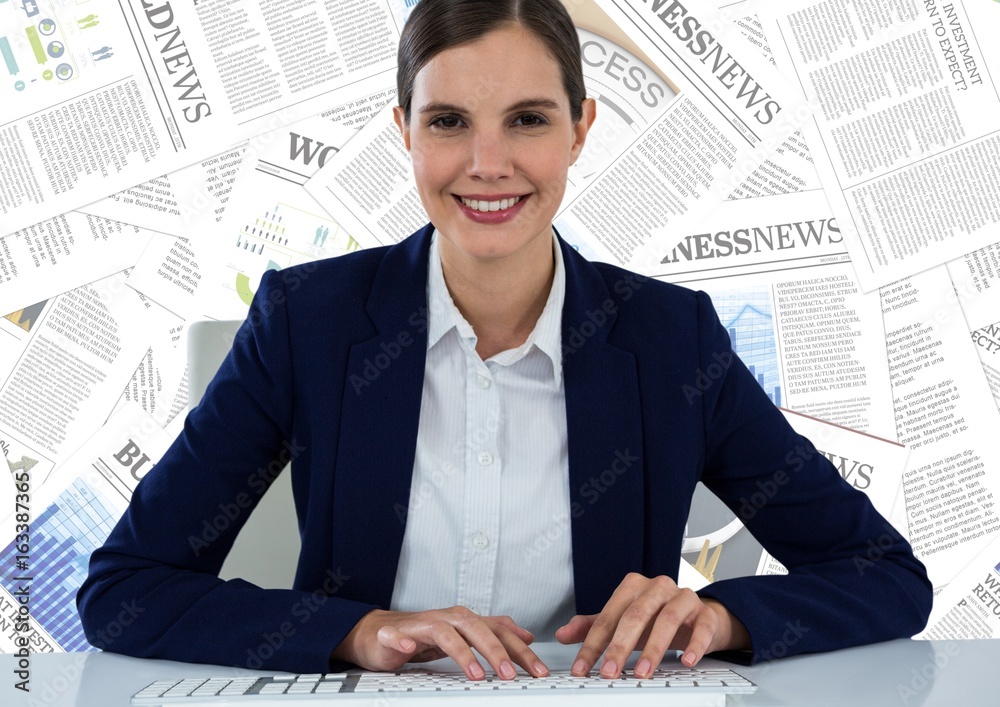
(267, 549)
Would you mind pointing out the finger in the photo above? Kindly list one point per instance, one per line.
(685, 608)
(392, 638)
(482, 636)
(606, 622)
(702, 634)
(522, 633)
(518, 649)
(503, 643)
(448, 638)
(428, 655)
(639, 620)
(576, 629)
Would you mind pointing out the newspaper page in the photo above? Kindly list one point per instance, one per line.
(159, 384)
(789, 167)
(71, 514)
(368, 187)
(945, 414)
(782, 283)
(169, 271)
(904, 133)
(976, 277)
(987, 342)
(870, 464)
(157, 203)
(64, 364)
(969, 607)
(104, 95)
(172, 203)
(273, 222)
(70, 250)
(172, 272)
(732, 109)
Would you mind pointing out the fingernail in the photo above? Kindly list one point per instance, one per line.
(689, 658)
(407, 644)
(609, 669)
(642, 668)
(580, 668)
(507, 670)
(541, 670)
(476, 671)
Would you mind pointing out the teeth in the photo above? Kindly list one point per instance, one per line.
(490, 205)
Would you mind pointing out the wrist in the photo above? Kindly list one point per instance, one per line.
(732, 634)
(351, 648)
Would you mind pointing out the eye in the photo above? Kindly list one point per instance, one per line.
(531, 120)
(445, 122)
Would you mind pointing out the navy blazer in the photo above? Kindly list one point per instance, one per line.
(327, 371)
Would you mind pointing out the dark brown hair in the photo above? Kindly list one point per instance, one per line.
(436, 25)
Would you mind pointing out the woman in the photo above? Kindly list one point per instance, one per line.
(479, 385)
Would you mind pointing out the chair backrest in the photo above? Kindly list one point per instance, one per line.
(267, 548)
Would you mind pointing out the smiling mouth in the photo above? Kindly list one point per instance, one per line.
(487, 206)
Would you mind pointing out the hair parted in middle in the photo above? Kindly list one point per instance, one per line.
(437, 25)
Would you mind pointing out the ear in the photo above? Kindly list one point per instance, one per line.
(399, 116)
(580, 130)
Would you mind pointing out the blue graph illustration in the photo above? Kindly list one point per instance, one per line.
(62, 538)
(746, 314)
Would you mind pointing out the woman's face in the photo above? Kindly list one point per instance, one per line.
(490, 122)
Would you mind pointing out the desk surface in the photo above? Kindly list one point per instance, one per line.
(902, 672)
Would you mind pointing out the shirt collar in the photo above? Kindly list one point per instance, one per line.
(443, 315)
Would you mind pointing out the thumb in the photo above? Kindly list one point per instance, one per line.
(393, 638)
(576, 630)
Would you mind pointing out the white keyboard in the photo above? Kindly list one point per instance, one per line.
(413, 683)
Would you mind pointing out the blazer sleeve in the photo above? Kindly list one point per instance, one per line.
(852, 578)
(153, 589)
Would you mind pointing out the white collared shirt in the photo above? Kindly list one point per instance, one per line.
(488, 523)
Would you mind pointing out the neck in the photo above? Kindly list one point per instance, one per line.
(501, 299)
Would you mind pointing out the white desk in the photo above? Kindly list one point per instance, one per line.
(945, 673)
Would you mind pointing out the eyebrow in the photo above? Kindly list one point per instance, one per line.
(437, 107)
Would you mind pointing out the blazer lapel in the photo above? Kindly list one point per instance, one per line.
(604, 424)
(379, 421)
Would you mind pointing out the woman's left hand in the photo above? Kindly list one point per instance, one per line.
(654, 615)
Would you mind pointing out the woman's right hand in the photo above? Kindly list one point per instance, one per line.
(385, 640)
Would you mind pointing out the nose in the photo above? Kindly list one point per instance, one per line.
(491, 155)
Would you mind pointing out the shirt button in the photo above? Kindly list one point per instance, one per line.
(485, 458)
(480, 541)
(484, 382)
